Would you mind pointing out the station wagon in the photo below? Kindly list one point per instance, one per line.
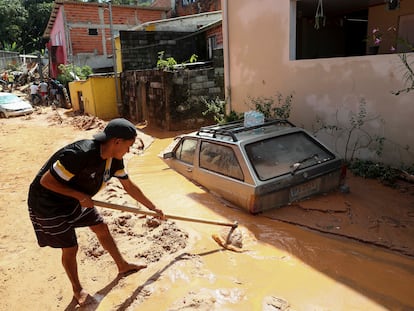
(257, 167)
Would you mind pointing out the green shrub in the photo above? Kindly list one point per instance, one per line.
(217, 108)
(377, 170)
(271, 108)
(69, 73)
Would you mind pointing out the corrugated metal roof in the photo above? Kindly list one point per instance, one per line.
(216, 18)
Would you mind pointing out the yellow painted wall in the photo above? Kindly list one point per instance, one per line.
(105, 97)
(328, 89)
(99, 96)
(84, 87)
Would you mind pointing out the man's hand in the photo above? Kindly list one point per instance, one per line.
(86, 201)
(160, 213)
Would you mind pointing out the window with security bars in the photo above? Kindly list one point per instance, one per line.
(92, 31)
(187, 2)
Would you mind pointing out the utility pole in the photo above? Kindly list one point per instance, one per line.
(40, 65)
(117, 91)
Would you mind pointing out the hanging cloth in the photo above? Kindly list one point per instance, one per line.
(319, 16)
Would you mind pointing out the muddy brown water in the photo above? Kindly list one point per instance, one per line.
(307, 269)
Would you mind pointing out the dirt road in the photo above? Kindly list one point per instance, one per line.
(335, 252)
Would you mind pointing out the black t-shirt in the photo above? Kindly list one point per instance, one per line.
(78, 165)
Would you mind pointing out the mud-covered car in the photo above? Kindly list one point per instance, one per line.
(12, 105)
(258, 167)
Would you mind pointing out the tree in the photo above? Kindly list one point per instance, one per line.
(13, 17)
(22, 23)
(38, 17)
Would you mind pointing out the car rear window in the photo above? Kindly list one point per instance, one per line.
(286, 154)
(220, 159)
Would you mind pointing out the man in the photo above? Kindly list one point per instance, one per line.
(60, 94)
(34, 92)
(11, 81)
(43, 88)
(60, 196)
(53, 89)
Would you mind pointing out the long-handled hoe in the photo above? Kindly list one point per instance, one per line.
(231, 242)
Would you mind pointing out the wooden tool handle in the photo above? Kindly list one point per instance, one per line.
(135, 210)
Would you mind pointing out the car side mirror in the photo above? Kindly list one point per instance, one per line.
(169, 155)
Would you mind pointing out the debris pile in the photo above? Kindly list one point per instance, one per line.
(86, 122)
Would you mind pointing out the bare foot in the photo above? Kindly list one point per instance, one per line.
(83, 298)
(131, 268)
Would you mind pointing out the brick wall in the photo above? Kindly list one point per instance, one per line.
(82, 16)
(82, 42)
(218, 33)
(200, 6)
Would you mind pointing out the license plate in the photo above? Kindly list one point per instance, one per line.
(304, 190)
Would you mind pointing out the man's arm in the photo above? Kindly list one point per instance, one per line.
(51, 183)
(138, 195)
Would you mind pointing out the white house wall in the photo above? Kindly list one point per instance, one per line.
(331, 89)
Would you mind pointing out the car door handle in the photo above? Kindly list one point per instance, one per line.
(189, 169)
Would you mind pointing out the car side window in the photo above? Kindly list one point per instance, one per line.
(220, 159)
(185, 151)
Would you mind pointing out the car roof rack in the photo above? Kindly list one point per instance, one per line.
(232, 128)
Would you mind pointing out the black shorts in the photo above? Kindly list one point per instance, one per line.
(59, 231)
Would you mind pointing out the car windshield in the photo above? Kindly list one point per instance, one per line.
(7, 99)
(285, 155)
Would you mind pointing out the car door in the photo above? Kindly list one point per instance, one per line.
(184, 156)
(219, 170)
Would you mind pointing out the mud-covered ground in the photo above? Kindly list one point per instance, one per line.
(286, 250)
